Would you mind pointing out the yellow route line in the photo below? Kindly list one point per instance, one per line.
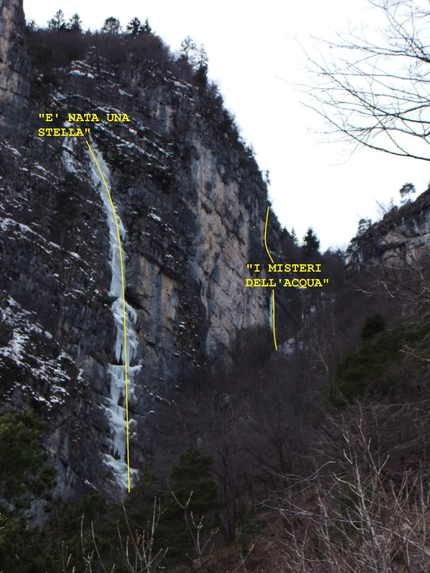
(124, 307)
(265, 234)
(273, 290)
(274, 319)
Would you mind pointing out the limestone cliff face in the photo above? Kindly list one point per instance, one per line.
(401, 237)
(191, 203)
(14, 66)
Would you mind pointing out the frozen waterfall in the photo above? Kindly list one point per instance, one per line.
(116, 409)
(115, 404)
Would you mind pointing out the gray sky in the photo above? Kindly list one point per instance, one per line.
(255, 59)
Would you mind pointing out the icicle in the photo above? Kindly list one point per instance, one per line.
(116, 412)
(115, 406)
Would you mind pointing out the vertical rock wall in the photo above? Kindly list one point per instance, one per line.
(192, 203)
(14, 69)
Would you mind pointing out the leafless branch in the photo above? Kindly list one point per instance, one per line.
(377, 94)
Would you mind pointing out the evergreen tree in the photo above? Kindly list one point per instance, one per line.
(192, 474)
(311, 244)
(372, 326)
(139, 504)
(193, 501)
(23, 473)
(75, 23)
(294, 236)
(111, 26)
(24, 478)
(372, 367)
(58, 21)
(201, 76)
(288, 243)
(134, 27)
(146, 28)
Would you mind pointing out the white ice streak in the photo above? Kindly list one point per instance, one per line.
(116, 409)
(69, 158)
(117, 468)
(271, 312)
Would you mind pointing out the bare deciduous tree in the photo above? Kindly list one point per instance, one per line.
(375, 92)
(350, 516)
